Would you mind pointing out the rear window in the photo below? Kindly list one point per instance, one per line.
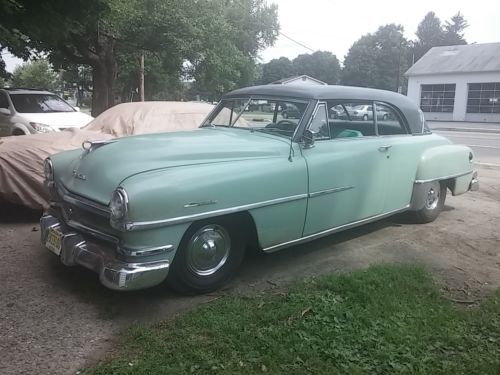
(39, 103)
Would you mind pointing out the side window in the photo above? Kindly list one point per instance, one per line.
(319, 123)
(351, 119)
(388, 121)
(4, 103)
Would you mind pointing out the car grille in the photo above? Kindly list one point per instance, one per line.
(83, 215)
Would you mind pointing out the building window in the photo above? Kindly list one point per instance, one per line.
(437, 98)
(484, 98)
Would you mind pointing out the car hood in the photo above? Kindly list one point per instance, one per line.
(59, 120)
(96, 174)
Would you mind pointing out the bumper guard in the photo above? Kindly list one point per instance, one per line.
(113, 273)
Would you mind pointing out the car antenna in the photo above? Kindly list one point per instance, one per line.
(291, 151)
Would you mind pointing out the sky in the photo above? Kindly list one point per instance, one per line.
(332, 25)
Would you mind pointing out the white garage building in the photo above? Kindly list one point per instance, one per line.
(458, 83)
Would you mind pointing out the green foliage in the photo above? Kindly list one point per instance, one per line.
(220, 38)
(277, 69)
(232, 34)
(36, 74)
(454, 30)
(387, 319)
(431, 33)
(377, 60)
(321, 65)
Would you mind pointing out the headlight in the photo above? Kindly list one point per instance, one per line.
(48, 170)
(42, 128)
(118, 204)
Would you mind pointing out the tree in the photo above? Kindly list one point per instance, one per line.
(454, 30)
(429, 33)
(322, 65)
(277, 69)
(97, 32)
(377, 60)
(244, 27)
(36, 74)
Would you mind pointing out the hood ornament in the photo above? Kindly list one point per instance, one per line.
(90, 146)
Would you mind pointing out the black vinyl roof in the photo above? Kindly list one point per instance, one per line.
(332, 92)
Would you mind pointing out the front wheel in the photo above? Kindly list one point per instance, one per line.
(434, 203)
(208, 256)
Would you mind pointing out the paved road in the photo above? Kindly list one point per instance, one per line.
(486, 146)
(483, 138)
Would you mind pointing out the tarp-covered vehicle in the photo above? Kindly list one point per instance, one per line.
(21, 158)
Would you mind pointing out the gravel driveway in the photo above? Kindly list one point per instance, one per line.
(55, 320)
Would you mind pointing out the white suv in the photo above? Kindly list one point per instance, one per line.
(24, 111)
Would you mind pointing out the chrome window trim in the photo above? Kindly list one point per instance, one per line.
(141, 225)
(330, 191)
(313, 115)
(443, 178)
(326, 232)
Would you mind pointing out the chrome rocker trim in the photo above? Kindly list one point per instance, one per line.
(327, 232)
(113, 272)
(443, 178)
(330, 191)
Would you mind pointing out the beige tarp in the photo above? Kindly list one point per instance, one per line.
(21, 158)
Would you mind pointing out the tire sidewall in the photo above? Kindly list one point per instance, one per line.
(184, 280)
(427, 215)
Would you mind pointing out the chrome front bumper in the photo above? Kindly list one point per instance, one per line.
(113, 273)
(474, 184)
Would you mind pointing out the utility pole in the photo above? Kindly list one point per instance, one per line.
(141, 78)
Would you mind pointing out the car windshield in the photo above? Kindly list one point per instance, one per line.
(275, 116)
(39, 103)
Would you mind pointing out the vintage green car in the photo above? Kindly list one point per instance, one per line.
(183, 207)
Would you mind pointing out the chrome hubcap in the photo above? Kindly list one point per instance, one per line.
(208, 250)
(432, 197)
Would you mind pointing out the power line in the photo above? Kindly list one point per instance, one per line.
(296, 42)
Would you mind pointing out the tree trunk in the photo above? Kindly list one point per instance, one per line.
(102, 94)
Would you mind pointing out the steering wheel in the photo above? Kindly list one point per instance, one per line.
(286, 125)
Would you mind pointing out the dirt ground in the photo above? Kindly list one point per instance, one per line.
(55, 320)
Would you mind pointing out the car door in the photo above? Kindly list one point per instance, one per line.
(347, 170)
(4, 117)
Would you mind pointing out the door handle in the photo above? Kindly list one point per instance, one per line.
(384, 148)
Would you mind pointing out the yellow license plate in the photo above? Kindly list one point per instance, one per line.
(54, 241)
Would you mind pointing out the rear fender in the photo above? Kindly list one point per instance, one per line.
(448, 164)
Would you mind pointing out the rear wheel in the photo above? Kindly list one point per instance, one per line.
(434, 203)
(208, 256)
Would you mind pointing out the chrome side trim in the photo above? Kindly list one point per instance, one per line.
(442, 178)
(314, 236)
(140, 225)
(198, 204)
(330, 191)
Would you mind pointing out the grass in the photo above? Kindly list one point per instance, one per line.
(387, 319)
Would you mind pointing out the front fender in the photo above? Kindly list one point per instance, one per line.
(270, 189)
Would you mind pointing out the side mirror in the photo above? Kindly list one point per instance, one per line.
(5, 111)
(77, 109)
(308, 138)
